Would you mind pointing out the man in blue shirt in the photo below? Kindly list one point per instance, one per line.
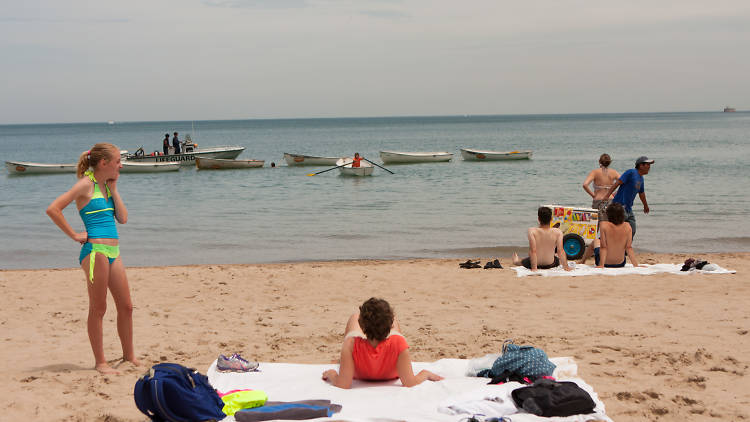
(630, 183)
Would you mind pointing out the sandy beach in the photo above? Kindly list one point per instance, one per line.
(659, 347)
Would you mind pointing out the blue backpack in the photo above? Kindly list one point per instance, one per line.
(170, 392)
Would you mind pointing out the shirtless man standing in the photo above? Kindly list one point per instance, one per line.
(616, 239)
(543, 241)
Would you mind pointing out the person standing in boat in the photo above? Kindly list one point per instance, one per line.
(165, 144)
(100, 205)
(356, 160)
(176, 143)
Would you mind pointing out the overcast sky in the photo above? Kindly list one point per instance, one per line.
(90, 61)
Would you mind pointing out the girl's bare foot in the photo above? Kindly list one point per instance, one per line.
(105, 369)
(134, 361)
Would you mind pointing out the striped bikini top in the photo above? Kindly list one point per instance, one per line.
(99, 214)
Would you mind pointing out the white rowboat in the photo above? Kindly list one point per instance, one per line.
(476, 155)
(396, 157)
(309, 160)
(364, 169)
(220, 163)
(25, 167)
(128, 167)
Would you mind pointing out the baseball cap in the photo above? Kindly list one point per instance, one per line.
(643, 160)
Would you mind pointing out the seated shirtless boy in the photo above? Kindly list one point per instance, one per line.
(543, 241)
(616, 239)
(374, 349)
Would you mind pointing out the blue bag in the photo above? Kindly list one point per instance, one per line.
(170, 392)
(526, 361)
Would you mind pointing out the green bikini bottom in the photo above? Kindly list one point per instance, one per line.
(91, 249)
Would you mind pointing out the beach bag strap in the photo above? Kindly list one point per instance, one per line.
(509, 344)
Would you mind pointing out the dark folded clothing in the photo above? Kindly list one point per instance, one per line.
(692, 263)
(290, 410)
(508, 376)
(552, 398)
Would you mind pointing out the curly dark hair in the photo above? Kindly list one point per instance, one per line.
(615, 213)
(376, 318)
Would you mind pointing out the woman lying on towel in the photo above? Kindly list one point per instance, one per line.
(375, 350)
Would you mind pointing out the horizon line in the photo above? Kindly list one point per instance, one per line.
(107, 122)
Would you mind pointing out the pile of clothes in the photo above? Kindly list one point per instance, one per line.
(247, 405)
(697, 264)
(543, 395)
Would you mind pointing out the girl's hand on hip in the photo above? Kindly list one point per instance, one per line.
(81, 237)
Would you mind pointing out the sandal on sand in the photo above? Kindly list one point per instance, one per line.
(493, 264)
(470, 264)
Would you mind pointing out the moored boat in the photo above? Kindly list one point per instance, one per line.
(728, 109)
(221, 163)
(187, 158)
(132, 167)
(26, 167)
(477, 155)
(364, 169)
(309, 160)
(396, 157)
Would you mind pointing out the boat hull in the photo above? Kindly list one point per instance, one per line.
(309, 160)
(396, 157)
(188, 159)
(365, 168)
(128, 167)
(22, 167)
(25, 167)
(476, 155)
(220, 163)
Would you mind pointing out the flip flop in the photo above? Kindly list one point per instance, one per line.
(470, 264)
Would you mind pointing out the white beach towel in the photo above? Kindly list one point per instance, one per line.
(382, 401)
(644, 269)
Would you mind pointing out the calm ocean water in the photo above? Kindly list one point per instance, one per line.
(697, 190)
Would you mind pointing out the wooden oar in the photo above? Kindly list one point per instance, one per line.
(378, 165)
(332, 168)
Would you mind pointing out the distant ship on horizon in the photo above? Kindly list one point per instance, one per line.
(728, 109)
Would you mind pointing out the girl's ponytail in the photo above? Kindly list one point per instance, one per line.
(91, 158)
(83, 163)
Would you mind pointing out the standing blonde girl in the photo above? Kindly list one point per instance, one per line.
(99, 205)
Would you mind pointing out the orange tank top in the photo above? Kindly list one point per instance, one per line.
(377, 363)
